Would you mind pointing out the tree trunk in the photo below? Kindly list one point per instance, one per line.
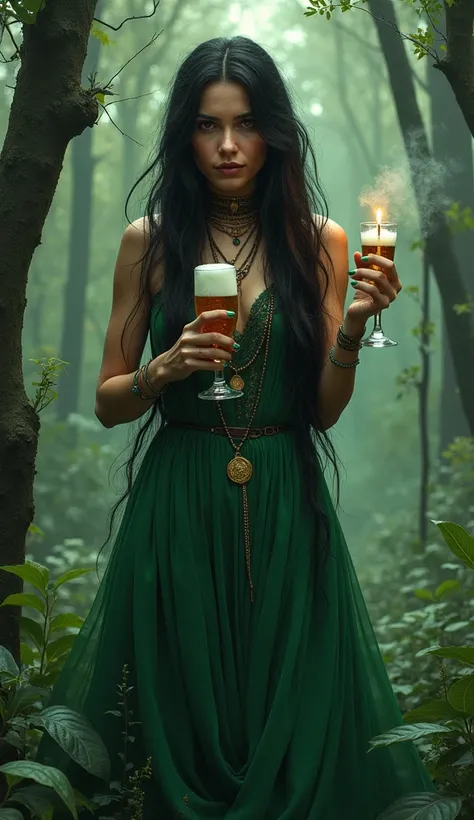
(452, 146)
(438, 238)
(458, 64)
(49, 108)
(72, 341)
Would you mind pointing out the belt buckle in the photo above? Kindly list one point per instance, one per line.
(269, 431)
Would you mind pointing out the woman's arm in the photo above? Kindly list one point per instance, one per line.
(115, 402)
(374, 290)
(337, 383)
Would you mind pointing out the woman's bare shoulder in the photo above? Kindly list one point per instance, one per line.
(331, 231)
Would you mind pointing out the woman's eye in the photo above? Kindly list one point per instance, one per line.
(248, 123)
(205, 125)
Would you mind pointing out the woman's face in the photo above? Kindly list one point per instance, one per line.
(225, 135)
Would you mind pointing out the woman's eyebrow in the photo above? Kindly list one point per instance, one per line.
(243, 116)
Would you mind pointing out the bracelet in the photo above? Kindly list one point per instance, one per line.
(342, 364)
(136, 389)
(149, 384)
(348, 342)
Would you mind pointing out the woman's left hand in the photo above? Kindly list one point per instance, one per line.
(374, 289)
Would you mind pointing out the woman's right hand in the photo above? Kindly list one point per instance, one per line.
(194, 350)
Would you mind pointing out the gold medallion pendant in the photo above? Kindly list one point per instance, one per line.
(239, 470)
(237, 382)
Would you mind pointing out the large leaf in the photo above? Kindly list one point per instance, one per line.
(25, 599)
(430, 712)
(463, 654)
(37, 799)
(33, 630)
(8, 663)
(461, 695)
(10, 814)
(46, 776)
(26, 696)
(67, 620)
(77, 737)
(412, 731)
(423, 806)
(458, 540)
(71, 575)
(60, 647)
(28, 655)
(447, 587)
(29, 573)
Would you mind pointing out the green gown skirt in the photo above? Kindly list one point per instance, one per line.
(248, 711)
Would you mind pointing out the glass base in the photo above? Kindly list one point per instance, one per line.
(220, 392)
(378, 339)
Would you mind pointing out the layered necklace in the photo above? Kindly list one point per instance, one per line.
(236, 217)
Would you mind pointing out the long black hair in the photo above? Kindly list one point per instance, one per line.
(289, 193)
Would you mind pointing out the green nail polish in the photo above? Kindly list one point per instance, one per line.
(236, 346)
(354, 284)
(231, 313)
(352, 272)
(365, 259)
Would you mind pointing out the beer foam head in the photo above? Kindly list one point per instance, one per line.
(215, 280)
(370, 236)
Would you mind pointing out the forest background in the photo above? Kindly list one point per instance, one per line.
(387, 130)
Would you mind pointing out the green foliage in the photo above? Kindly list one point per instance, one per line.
(101, 35)
(21, 11)
(25, 715)
(49, 369)
(443, 723)
(459, 219)
(422, 39)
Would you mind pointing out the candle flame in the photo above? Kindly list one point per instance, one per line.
(378, 215)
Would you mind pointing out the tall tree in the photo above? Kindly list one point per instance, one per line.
(452, 146)
(49, 108)
(72, 341)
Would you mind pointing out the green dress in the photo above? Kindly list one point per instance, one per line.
(249, 711)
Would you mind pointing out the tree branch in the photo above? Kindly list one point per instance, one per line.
(156, 3)
(458, 65)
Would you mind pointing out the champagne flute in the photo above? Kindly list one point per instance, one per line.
(379, 238)
(215, 288)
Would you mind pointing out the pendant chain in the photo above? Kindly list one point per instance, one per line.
(240, 469)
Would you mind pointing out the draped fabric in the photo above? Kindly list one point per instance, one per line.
(248, 711)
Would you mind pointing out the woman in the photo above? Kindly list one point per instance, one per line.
(257, 678)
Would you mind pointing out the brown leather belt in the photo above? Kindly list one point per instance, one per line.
(234, 432)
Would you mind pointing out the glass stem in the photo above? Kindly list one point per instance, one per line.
(219, 377)
(377, 323)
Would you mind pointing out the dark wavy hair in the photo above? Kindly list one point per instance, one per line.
(288, 192)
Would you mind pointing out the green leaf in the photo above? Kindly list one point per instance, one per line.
(458, 541)
(46, 776)
(71, 575)
(10, 814)
(37, 799)
(60, 647)
(8, 663)
(100, 35)
(24, 599)
(67, 620)
(447, 587)
(26, 696)
(33, 630)
(27, 654)
(423, 594)
(423, 806)
(430, 712)
(463, 654)
(461, 695)
(76, 736)
(28, 573)
(34, 5)
(412, 731)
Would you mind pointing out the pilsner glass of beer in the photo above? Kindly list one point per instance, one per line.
(379, 238)
(215, 288)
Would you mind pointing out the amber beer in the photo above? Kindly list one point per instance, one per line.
(215, 288)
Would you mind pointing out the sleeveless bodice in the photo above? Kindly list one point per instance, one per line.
(181, 402)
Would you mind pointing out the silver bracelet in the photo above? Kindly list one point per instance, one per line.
(342, 364)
